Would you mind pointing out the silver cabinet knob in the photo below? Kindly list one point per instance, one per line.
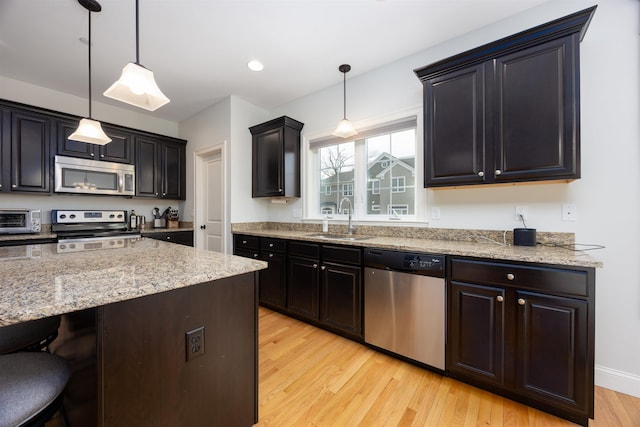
(244, 242)
(255, 255)
(315, 265)
(498, 172)
(102, 156)
(270, 245)
(323, 268)
(510, 276)
(499, 298)
(168, 237)
(521, 301)
(270, 255)
(480, 173)
(92, 154)
(14, 186)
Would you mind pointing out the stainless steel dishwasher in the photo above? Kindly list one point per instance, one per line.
(404, 304)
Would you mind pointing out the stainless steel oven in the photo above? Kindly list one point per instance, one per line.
(85, 176)
(18, 221)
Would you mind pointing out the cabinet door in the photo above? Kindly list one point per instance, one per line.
(68, 147)
(455, 128)
(173, 159)
(30, 162)
(552, 350)
(303, 287)
(119, 149)
(477, 332)
(341, 298)
(147, 167)
(537, 112)
(267, 163)
(272, 289)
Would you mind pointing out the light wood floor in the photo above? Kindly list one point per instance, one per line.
(310, 377)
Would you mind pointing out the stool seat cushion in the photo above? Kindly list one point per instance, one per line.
(29, 382)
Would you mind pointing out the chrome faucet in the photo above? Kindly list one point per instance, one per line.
(350, 227)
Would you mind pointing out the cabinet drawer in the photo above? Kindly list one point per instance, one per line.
(242, 241)
(555, 280)
(274, 245)
(247, 253)
(307, 250)
(342, 254)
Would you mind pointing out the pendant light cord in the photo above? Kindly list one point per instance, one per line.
(90, 115)
(344, 93)
(137, 36)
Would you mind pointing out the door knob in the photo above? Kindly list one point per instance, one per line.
(203, 227)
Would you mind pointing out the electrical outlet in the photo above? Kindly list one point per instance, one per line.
(194, 343)
(522, 213)
(569, 213)
(435, 212)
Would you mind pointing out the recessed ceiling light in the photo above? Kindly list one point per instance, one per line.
(255, 65)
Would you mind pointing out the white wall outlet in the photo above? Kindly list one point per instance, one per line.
(522, 213)
(435, 212)
(297, 213)
(569, 213)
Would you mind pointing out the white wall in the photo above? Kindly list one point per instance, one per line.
(607, 196)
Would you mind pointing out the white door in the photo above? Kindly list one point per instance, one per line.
(210, 200)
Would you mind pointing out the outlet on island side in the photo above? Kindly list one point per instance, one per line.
(194, 343)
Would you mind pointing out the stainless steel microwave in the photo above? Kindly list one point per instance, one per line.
(85, 176)
(17, 221)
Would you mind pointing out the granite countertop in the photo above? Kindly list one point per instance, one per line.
(484, 247)
(40, 282)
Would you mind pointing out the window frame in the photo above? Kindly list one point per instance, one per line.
(398, 188)
(311, 181)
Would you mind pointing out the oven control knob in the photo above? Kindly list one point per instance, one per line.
(63, 247)
(72, 216)
(62, 216)
(112, 216)
(72, 246)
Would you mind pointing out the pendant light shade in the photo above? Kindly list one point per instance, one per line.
(345, 128)
(136, 85)
(89, 130)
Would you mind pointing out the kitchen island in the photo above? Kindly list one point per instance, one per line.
(169, 333)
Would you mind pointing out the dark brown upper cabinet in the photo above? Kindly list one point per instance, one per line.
(25, 151)
(119, 150)
(508, 111)
(276, 158)
(160, 167)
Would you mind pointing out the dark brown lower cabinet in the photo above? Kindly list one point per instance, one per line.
(525, 331)
(342, 298)
(303, 291)
(180, 237)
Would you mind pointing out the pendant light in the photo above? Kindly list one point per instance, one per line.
(90, 130)
(345, 128)
(136, 85)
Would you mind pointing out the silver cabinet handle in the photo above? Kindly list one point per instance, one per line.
(315, 265)
(510, 276)
(500, 298)
(498, 172)
(521, 301)
(480, 173)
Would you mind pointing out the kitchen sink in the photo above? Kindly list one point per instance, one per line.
(344, 237)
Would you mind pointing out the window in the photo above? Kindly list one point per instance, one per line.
(375, 186)
(395, 210)
(375, 172)
(326, 210)
(397, 184)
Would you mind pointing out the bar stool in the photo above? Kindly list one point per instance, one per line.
(32, 380)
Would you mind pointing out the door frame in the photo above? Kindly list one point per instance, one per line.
(198, 161)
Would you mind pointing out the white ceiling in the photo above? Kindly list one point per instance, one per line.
(198, 49)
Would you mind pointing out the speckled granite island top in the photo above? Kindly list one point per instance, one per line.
(472, 243)
(47, 283)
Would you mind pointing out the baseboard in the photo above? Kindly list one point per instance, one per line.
(622, 382)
